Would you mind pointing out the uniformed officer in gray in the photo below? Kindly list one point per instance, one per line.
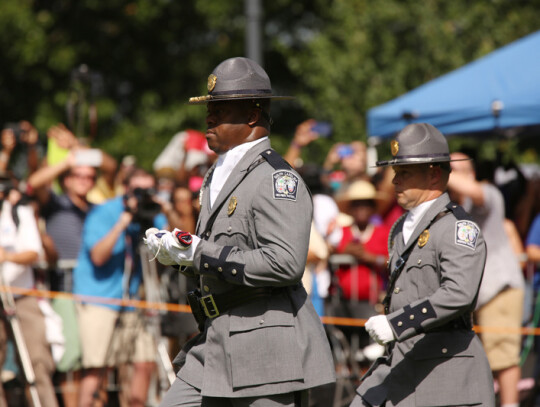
(437, 257)
(261, 342)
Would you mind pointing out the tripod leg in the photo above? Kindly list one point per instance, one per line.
(8, 304)
(165, 360)
(25, 361)
(151, 283)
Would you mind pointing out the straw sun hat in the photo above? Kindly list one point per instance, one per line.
(357, 191)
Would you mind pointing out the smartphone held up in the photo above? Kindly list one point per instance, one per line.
(91, 157)
(323, 129)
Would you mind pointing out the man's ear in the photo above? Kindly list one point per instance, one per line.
(254, 116)
(436, 174)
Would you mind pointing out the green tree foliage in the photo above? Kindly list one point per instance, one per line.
(369, 52)
(147, 57)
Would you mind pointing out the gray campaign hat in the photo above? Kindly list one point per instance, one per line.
(237, 79)
(418, 143)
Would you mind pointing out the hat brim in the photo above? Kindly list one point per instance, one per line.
(200, 100)
(344, 203)
(415, 161)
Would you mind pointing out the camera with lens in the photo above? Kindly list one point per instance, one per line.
(146, 208)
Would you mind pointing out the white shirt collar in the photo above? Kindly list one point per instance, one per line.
(225, 165)
(413, 219)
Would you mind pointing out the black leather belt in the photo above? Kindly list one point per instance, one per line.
(213, 305)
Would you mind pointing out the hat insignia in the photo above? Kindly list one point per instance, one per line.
(423, 239)
(394, 147)
(232, 205)
(212, 79)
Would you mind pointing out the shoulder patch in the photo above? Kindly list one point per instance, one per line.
(285, 185)
(467, 233)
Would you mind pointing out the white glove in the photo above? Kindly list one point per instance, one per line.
(380, 330)
(155, 246)
(168, 249)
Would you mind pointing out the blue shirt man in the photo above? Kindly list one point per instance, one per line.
(107, 261)
(107, 280)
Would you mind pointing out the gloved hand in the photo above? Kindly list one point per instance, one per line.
(380, 330)
(155, 246)
(176, 247)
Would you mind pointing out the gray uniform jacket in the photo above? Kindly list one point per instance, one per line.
(259, 239)
(437, 360)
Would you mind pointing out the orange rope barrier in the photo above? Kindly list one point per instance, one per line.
(97, 300)
(328, 320)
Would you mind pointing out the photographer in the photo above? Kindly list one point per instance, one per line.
(348, 159)
(20, 246)
(64, 216)
(109, 266)
(20, 133)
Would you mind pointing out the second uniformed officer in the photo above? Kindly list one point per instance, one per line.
(261, 341)
(437, 257)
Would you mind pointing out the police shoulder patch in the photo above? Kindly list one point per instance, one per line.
(467, 233)
(285, 185)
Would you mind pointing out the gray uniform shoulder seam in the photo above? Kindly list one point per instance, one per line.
(458, 211)
(275, 160)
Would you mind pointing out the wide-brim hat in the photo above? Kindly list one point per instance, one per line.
(237, 79)
(360, 190)
(418, 143)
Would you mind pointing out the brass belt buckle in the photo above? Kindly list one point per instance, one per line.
(209, 306)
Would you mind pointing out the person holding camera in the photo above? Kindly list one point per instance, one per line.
(19, 133)
(20, 247)
(64, 214)
(346, 163)
(109, 266)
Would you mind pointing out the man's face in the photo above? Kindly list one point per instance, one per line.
(80, 180)
(412, 184)
(355, 164)
(143, 181)
(362, 211)
(227, 125)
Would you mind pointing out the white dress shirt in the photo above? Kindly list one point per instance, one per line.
(413, 219)
(225, 164)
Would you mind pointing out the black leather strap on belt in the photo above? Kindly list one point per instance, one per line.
(231, 299)
(213, 305)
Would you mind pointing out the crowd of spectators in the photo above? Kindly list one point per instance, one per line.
(72, 221)
(75, 216)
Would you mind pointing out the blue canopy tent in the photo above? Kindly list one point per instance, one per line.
(498, 91)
